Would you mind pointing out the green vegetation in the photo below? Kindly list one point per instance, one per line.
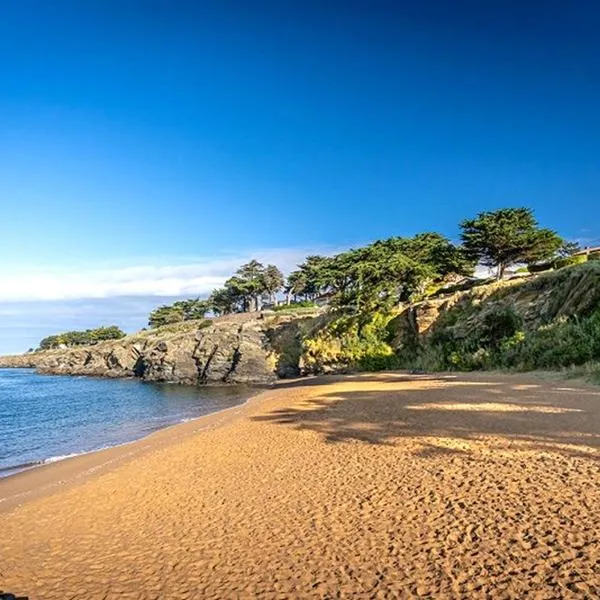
(569, 261)
(508, 236)
(81, 338)
(382, 274)
(351, 342)
(547, 323)
(373, 295)
(183, 310)
(295, 306)
(252, 284)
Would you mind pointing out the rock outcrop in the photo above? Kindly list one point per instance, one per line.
(252, 348)
(244, 348)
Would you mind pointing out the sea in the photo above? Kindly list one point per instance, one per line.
(46, 418)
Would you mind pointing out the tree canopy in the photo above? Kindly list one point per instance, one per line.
(81, 338)
(501, 238)
(182, 310)
(383, 273)
(252, 284)
(246, 290)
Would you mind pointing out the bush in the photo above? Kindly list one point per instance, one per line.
(81, 338)
(294, 305)
(351, 342)
(564, 343)
(498, 325)
(539, 268)
(570, 261)
(594, 256)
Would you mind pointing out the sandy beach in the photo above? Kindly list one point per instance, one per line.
(366, 486)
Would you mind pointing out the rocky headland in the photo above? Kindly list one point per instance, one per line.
(241, 348)
(548, 321)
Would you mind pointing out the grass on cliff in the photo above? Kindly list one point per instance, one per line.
(551, 322)
(350, 342)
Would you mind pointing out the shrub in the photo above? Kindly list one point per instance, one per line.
(81, 338)
(351, 342)
(539, 268)
(498, 325)
(570, 261)
(294, 306)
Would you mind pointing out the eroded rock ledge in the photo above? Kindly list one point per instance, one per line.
(244, 348)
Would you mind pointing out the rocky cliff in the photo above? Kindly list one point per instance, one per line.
(550, 321)
(244, 348)
(544, 322)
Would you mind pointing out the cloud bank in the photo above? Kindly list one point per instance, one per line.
(35, 303)
(192, 278)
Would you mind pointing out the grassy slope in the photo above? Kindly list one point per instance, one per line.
(550, 322)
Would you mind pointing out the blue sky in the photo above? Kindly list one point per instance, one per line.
(148, 147)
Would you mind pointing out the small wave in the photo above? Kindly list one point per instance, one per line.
(54, 459)
(25, 466)
(9, 469)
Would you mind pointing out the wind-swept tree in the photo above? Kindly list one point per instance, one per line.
(80, 338)
(273, 281)
(249, 279)
(310, 279)
(501, 238)
(225, 300)
(182, 310)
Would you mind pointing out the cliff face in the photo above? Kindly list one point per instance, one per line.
(525, 324)
(235, 349)
(544, 322)
(538, 302)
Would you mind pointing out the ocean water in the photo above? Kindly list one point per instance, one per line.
(44, 418)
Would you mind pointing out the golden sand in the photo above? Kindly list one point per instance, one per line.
(370, 486)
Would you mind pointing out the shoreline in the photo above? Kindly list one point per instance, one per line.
(370, 485)
(46, 478)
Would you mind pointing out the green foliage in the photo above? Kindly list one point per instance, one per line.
(252, 283)
(182, 310)
(540, 267)
(294, 306)
(570, 261)
(350, 342)
(241, 292)
(378, 276)
(566, 342)
(81, 338)
(310, 279)
(492, 333)
(504, 237)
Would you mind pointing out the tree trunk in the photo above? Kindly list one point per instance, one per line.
(500, 273)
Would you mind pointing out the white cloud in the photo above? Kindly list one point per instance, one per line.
(191, 278)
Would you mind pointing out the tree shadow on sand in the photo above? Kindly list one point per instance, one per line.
(517, 412)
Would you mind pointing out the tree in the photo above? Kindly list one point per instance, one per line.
(272, 282)
(501, 238)
(250, 282)
(224, 301)
(568, 249)
(80, 338)
(310, 279)
(182, 310)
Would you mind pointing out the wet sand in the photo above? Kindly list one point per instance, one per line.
(368, 486)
